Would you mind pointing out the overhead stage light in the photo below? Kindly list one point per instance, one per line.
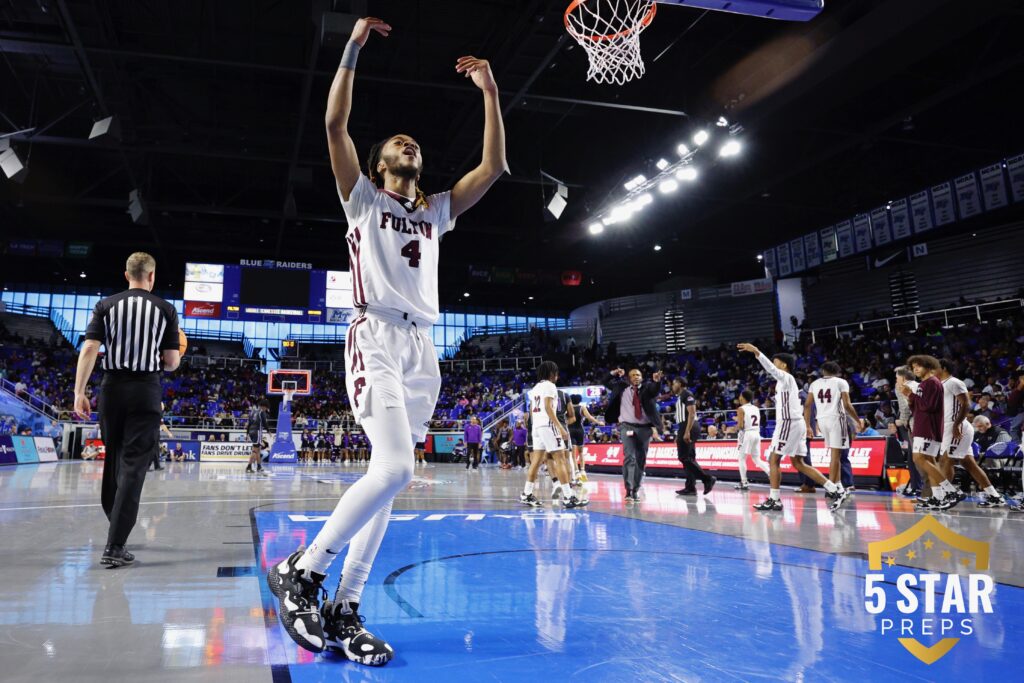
(700, 137)
(596, 228)
(662, 164)
(730, 149)
(722, 122)
(657, 247)
(635, 183)
(688, 173)
(667, 186)
(11, 163)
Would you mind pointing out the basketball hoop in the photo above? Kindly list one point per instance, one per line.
(288, 394)
(609, 31)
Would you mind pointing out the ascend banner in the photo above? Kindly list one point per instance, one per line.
(45, 449)
(867, 456)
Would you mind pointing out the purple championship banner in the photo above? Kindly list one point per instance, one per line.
(942, 203)
(880, 226)
(829, 248)
(844, 238)
(968, 195)
(921, 212)
(782, 258)
(796, 255)
(812, 250)
(993, 187)
(862, 232)
(900, 213)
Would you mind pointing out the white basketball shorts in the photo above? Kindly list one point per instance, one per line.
(749, 443)
(548, 439)
(790, 438)
(926, 446)
(958, 448)
(395, 359)
(835, 430)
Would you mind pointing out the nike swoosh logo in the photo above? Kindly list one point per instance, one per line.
(330, 552)
(881, 262)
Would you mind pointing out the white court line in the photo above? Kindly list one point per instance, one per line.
(239, 500)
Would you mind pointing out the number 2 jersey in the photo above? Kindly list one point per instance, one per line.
(394, 248)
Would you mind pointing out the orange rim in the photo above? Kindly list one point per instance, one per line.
(646, 20)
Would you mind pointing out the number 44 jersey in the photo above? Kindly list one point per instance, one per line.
(394, 248)
(828, 396)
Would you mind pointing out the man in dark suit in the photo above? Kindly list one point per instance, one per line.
(633, 405)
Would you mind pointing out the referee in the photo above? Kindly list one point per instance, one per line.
(140, 334)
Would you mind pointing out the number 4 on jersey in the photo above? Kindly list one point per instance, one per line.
(411, 251)
(825, 395)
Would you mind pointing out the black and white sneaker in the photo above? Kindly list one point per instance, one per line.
(953, 499)
(742, 486)
(344, 631)
(530, 500)
(769, 505)
(298, 594)
(838, 499)
(574, 502)
(988, 501)
(932, 503)
(115, 556)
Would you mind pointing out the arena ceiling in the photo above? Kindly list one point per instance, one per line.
(221, 110)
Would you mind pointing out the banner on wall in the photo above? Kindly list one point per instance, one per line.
(880, 227)
(867, 456)
(861, 232)
(1015, 169)
(45, 449)
(993, 187)
(217, 451)
(749, 287)
(25, 449)
(968, 197)
(445, 443)
(812, 250)
(921, 212)
(7, 454)
(796, 255)
(782, 259)
(769, 260)
(900, 214)
(844, 238)
(187, 449)
(829, 249)
(942, 203)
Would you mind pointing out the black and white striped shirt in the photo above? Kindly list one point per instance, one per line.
(134, 327)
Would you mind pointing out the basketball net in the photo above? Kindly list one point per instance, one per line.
(609, 31)
(288, 393)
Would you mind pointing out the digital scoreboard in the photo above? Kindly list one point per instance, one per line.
(267, 291)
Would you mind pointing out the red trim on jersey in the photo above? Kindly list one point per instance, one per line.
(358, 293)
(353, 344)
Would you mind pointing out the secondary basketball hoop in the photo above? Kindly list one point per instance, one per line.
(609, 31)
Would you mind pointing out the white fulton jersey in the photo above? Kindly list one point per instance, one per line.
(394, 250)
(751, 417)
(787, 393)
(951, 388)
(538, 412)
(828, 396)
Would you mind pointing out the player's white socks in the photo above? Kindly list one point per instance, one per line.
(743, 467)
(567, 491)
(774, 494)
(389, 471)
(361, 552)
(830, 486)
(528, 489)
(991, 490)
(946, 487)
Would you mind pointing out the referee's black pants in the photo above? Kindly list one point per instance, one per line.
(687, 454)
(130, 423)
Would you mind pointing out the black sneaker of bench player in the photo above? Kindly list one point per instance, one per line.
(988, 501)
(687, 491)
(742, 486)
(709, 484)
(931, 503)
(344, 631)
(115, 556)
(298, 594)
(769, 505)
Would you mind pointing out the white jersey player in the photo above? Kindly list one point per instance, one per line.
(748, 437)
(394, 234)
(550, 437)
(829, 395)
(790, 436)
(958, 436)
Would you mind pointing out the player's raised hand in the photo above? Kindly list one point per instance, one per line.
(750, 348)
(365, 26)
(479, 70)
(657, 376)
(618, 372)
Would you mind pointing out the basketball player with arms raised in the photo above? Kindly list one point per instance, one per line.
(393, 378)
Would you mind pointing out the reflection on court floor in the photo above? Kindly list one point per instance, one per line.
(509, 595)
